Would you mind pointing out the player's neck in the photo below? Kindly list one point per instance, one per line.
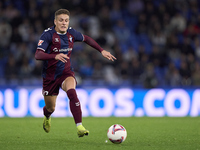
(62, 33)
(59, 32)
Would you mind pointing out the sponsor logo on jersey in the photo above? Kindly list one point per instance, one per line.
(62, 50)
(65, 50)
(55, 49)
(40, 42)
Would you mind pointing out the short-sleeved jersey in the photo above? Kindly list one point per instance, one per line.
(52, 42)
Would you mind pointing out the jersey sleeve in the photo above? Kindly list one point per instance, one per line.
(44, 41)
(92, 43)
(78, 37)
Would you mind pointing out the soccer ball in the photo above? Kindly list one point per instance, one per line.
(117, 134)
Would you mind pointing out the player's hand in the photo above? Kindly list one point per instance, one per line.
(108, 55)
(62, 57)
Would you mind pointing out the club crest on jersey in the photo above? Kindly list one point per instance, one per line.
(56, 40)
(40, 42)
(70, 39)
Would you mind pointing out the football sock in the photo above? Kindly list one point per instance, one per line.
(75, 105)
(78, 124)
(46, 112)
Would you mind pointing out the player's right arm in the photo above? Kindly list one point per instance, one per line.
(40, 55)
(43, 44)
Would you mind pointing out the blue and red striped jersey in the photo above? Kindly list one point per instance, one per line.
(52, 42)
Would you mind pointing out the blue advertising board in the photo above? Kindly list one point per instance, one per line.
(105, 102)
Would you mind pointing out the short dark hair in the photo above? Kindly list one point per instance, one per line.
(62, 11)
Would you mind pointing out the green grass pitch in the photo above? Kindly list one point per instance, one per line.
(143, 133)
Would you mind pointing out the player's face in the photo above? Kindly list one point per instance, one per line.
(62, 22)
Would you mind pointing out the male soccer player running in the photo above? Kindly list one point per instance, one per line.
(54, 48)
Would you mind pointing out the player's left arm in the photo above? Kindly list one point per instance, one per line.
(108, 55)
(95, 45)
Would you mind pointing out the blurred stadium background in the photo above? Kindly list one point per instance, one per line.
(156, 42)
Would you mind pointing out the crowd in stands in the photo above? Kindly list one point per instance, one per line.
(156, 42)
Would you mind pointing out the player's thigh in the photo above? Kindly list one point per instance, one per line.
(69, 83)
(50, 101)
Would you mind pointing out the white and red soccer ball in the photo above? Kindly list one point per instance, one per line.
(117, 134)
